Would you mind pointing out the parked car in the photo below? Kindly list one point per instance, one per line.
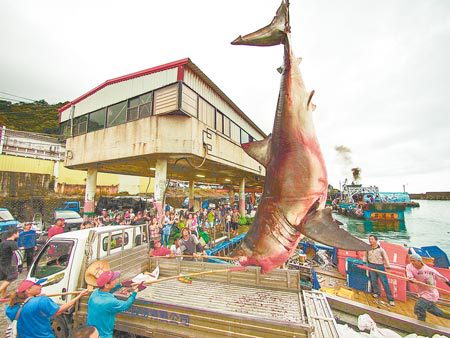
(71, 205)
(6, 220)
(72, 218)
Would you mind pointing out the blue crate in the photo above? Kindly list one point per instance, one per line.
(356, 277)
(440, 257)
(421, 252)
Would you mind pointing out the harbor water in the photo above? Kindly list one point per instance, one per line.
(426, 225)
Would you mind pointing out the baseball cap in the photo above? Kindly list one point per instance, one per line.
(416, 257)
(106, 277)
(29, 282)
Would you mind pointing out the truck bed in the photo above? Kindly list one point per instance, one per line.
(228, 299)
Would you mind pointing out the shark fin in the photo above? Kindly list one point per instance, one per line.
(321, 227)
(259, 150)
(271, 35)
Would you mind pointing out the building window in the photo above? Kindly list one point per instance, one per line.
(219, 121)
(116, 241)
(140, 106)
(245, 138)
(65, 129)
(206, 113)
(116, 114)
(235, 132)
(97, 120)
(226, 126)
(80, 125)
(145, 105)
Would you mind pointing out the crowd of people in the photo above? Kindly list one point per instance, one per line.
(168, 229)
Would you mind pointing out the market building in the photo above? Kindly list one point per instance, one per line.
(167, 122)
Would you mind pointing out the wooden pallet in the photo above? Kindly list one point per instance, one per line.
(319, 315)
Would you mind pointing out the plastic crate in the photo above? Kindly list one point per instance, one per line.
(397, 285)
(396, 253)
(342, 256)
(357, 278)
(440, 257)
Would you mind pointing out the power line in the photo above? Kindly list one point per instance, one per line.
(20, 97)
(7, 98)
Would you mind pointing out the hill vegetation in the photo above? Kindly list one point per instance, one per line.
(39, 116)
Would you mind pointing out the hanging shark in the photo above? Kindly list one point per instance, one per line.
(295, 187)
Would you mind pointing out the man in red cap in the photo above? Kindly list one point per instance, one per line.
(103, 306)
(36, 312)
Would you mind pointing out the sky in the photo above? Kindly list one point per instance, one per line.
(380, 69)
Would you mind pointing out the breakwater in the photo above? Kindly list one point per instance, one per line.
(435, 195)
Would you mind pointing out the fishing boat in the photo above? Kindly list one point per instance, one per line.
(342, 277)
(358, 201)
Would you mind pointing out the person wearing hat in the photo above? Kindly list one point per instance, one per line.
(34, 319)
(103, 306)
(416, 271)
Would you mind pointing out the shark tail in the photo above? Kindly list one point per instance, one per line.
(272, 34)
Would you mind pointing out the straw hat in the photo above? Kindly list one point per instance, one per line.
(94, 271)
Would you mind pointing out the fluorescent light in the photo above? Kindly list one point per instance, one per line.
(198, 175)
(152, 168)
(227, 180)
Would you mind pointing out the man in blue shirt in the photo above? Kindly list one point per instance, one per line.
(103, 306)
(37, 311)
(27, 240)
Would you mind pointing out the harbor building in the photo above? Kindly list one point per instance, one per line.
(166, 122)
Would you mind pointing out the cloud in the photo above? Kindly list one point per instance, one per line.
(380, 69)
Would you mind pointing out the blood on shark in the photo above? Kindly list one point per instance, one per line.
(295, 188)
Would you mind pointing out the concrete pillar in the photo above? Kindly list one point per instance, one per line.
(191, 194)
(56, 175)
(231, 195)
(160, 185)
(242, 197)
(91, 186)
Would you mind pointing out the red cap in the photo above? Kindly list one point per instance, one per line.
(106, 277)
(28, 283)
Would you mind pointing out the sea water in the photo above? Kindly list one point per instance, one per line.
(426, 225)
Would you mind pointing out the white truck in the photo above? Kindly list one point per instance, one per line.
(223, 304)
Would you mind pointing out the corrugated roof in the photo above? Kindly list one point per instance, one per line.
(180, 63)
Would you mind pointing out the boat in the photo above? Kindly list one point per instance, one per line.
(358, 201)
(347, 287)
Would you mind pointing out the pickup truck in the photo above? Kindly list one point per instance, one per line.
(223, 304)
(6, 220)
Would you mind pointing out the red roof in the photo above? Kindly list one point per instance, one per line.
(148, 71)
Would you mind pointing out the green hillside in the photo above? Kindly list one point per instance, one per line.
(39, 117)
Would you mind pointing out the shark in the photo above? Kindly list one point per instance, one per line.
(295, 188)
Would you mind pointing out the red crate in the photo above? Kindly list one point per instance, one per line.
(396, 253)
(397, 285)
(342, 256)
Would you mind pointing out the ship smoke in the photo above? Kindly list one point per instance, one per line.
(356, 172)
(344, 155)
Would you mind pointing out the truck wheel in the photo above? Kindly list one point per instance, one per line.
(60, 326)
